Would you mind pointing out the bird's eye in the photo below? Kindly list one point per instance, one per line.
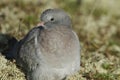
(52, 19)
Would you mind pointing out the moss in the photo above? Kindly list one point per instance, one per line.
(30, 19)
(104, 76)
(96, 46)
(107, 66)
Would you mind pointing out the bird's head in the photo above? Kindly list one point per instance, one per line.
(54, 18)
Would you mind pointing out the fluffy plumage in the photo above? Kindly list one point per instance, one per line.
(50, 51)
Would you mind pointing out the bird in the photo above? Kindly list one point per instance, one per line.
(50, 50)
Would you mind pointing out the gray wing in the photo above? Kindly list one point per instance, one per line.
(27, 53)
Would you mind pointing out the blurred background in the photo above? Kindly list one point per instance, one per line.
(97, 23)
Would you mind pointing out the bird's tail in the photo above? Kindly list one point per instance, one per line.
(7, 43)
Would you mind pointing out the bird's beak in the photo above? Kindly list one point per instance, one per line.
(41, 24)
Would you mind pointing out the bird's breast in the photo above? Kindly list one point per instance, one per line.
(57, 47)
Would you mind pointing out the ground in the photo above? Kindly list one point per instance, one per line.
(97, 23)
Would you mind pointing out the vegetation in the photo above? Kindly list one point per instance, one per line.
(97, 23)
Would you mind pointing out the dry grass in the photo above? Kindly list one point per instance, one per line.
(99, 33)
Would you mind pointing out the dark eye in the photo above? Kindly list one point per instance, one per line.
(52, 19)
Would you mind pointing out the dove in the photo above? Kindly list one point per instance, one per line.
(51, 50)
